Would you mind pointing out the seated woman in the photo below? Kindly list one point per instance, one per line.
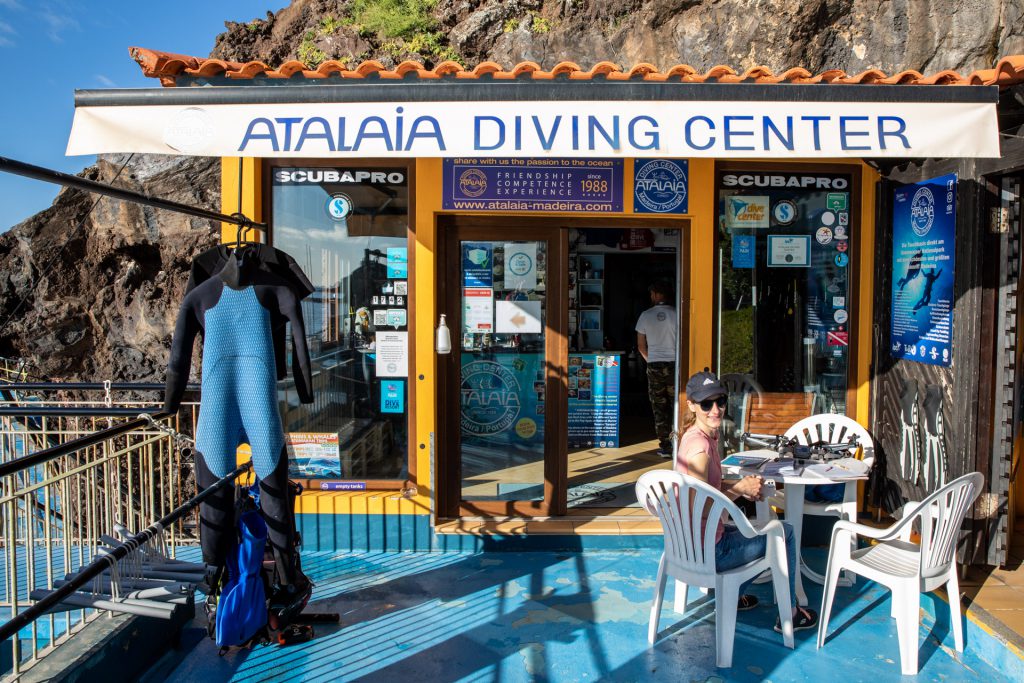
(697, 456)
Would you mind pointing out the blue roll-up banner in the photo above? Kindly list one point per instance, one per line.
(923, 244)
(594, 400)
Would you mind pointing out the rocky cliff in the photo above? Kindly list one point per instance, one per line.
(89, 287)
(91, 293)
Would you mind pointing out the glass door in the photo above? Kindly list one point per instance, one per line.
(505, 345)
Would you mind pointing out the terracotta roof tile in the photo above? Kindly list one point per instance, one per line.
(168, 67)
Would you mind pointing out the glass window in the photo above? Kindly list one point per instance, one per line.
(346, 228)
(784, 260)
(503, 369)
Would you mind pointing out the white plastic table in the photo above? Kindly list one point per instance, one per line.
(794, 512)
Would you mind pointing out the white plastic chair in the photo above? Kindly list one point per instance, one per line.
(907, 569)
(738, 387)
(685, 506)
(826, 428)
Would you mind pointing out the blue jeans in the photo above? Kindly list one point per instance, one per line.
(735, 550)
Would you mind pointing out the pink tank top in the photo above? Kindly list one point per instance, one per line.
(695, 441)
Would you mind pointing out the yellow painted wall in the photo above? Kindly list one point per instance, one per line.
(426, 316)
(704, 211)
(700, 263)
(865, 256)
(247, 173)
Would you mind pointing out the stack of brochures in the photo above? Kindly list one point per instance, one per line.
(746, 460)
(778, 468)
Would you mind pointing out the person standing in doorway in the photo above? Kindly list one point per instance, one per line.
(656, 340)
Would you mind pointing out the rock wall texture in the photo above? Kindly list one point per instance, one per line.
(89, 287)
(91, 293)
(853, 35)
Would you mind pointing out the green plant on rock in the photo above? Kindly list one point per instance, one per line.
(309, 54)
(511, 25)
(539, 24)
(253, 26)
(403, 27)
(329, 25)
(394, 18)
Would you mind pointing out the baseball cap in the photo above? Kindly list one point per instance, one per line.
(704, 385)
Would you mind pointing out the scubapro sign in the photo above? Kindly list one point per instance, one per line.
(607, 128)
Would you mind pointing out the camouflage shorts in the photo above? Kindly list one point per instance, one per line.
(661, 385)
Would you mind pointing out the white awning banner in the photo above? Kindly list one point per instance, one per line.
(718, 129)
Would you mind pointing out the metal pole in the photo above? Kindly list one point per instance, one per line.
(50, 176)
(39, 457)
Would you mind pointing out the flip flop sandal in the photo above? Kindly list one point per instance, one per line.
(746, 602)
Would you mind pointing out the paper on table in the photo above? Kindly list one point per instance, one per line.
(857, 468)
(830, 471)
(778, 468)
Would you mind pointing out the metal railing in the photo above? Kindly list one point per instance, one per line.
(71, 468)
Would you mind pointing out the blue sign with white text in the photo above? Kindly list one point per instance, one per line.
(660, 186)
(477, 264)
(398, 262)
(744, 248)
(392, 396)
(923, 245)
(573, 185)
(594, 400)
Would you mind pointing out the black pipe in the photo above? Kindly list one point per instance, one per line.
(86, 386)
(38, 458)
(96, 567)
(71, 411)
(403, 91)
(50, 176)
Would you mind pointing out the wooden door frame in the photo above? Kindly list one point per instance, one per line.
(450, 228)
(555, 327)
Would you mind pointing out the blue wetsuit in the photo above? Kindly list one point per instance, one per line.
(268, 259)
(237, 312)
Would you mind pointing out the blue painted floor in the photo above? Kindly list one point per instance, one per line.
(545, 616)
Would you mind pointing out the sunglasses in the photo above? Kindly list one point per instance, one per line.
(706, 404)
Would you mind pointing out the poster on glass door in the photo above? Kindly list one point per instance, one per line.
(924, 223)
(502, 401)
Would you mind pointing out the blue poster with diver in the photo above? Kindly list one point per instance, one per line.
(923, 244)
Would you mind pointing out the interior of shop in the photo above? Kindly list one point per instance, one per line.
(610, 421)
(611, 438)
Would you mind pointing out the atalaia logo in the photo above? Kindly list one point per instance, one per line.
(922, 211)
(473, 182)
(190, 130)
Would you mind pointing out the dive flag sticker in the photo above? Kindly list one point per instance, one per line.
(836, 338)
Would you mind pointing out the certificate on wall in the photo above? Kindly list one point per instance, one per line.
(789, 251)
(392, 354)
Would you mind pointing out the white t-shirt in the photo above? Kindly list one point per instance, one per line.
(659, 324)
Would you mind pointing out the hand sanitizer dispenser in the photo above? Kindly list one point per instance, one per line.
(443, 345)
